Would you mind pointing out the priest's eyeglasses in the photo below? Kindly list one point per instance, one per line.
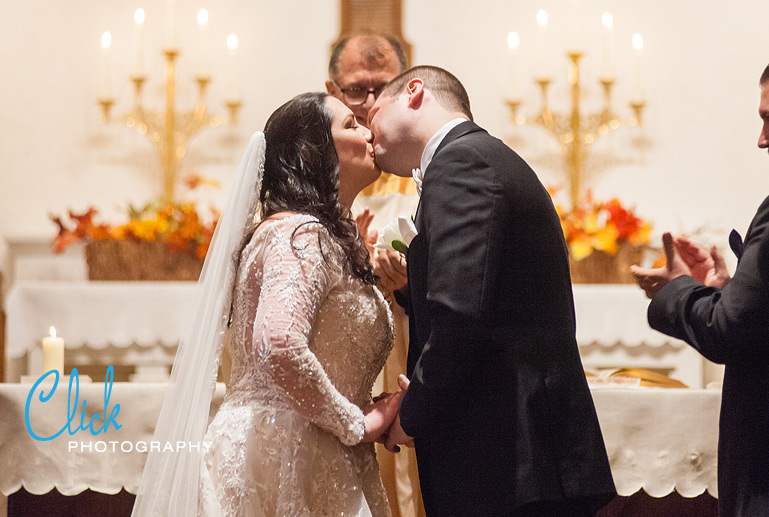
(357, 96)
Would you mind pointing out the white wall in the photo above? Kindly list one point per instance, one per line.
(699, 167)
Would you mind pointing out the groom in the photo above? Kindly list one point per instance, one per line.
(498, 405)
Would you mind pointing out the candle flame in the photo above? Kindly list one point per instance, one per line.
(513, 40)
(202, 17)
(52, 330)
(638, 42)
(608, 20)
(106, 40)
(232, 42)
(542, 18)
(139, 16)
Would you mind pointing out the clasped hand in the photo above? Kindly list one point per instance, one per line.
(383, 423)
(683, 257)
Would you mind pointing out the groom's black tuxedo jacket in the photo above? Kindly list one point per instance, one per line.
(731, 326)
(498, 403)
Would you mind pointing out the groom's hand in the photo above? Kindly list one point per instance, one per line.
(395, 434)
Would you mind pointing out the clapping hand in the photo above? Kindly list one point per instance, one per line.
(389, 266)
(706, 267)
(363, 221)
(652, 280)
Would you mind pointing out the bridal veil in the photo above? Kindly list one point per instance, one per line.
(170, 481)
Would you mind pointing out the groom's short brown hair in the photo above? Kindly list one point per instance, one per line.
(764, 77)
(447, 89)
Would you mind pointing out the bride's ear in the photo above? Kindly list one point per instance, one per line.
(415, 90)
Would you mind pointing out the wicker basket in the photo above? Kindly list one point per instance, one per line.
(131, 260)
(601, 268)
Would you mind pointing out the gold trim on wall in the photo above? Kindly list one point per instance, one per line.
(390, 184)
(383, 16)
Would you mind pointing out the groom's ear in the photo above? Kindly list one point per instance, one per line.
(415, 90)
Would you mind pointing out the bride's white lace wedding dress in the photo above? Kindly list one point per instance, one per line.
(307, 341)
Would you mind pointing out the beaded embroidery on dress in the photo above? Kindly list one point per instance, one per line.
(307, 342)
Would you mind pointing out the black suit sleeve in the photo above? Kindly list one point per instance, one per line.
(457, 215)
(724, 325)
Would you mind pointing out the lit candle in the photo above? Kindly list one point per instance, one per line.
(638, 45)
(203, 43)
(139, 42)
(170, 37)
(106, 85)
(232, 88)
(513, 41)
(573, 35)
(53, 353)
(542, 66)
(608, 46)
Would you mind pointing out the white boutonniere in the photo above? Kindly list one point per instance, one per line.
(397, 235)
(418, 176)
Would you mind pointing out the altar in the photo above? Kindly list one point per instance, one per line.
(658, 440)
(138, 324)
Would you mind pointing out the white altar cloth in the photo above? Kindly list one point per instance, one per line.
(110, 317)
(611, 314)
(659, 440)
(97, 314)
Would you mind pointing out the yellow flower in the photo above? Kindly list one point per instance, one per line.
(580, 248)
(606, 239)
(643, 234)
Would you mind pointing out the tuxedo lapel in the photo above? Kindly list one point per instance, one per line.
(460, 130)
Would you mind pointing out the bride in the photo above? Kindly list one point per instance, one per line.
(288, 280)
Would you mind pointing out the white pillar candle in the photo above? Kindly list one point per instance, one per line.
(638, 45)
(232, 86)
(542, 66)
(170, 36)
(608, 46)
(53, 353)
(106, 85)
(139, 42)
(513, 41)
(203, 49)
(574, 34)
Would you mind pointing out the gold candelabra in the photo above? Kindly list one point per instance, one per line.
(169, 131)
(577, 131)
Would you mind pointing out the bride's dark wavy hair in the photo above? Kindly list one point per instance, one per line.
(301, 174)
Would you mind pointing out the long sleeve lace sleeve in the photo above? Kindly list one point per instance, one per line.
(298, 271)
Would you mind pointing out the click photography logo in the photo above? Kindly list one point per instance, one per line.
(43, 403)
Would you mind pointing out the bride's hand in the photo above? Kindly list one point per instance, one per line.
(380, 415)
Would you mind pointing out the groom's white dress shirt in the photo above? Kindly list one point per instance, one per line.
(431, 147)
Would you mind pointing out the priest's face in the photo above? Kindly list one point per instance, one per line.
(763, 112)
(361, 78)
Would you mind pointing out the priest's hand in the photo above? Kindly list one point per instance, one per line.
(652, 280)
(390, 267)
(363, 222)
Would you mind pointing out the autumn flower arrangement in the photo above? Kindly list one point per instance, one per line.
(179, 225)
(600, 225)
